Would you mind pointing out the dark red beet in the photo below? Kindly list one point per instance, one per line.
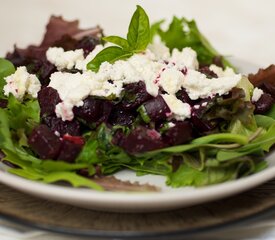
(264, 103)
(200, 125)
(42, 69)
(135, 95)
(62, 127)
(183, 96)
(44, 142)
(178, 134)
(94, 110)
(90, 111)
(3, 103)
(157, 109)
(88, 44)
(122, 117)
(70, 148)
(141, 140)
(48, 98)
(206, 71)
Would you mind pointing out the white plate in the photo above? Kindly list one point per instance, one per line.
(136, 202)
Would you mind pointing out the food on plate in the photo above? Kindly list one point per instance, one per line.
(81, 106)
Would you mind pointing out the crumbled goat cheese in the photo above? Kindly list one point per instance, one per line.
(228, 72)
(197, 85)
(64, 110)
(185, 58)
(179, 109)
(155, 66)
(21, 83)
(64, 59)
(72, 89)
(257, 93)
(170, 124)
(171, 80)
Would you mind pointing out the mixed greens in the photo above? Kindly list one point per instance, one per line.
(224, 140)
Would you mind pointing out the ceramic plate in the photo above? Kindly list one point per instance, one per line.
(133, 202)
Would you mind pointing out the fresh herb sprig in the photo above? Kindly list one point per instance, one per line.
(138, 37)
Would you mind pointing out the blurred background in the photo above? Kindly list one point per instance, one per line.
(240, 28)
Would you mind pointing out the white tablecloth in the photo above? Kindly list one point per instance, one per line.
(241, 28)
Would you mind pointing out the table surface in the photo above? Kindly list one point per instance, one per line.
(239, 28)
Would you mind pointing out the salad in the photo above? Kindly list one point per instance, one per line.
(82, 106)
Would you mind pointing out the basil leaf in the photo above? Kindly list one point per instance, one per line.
(118, 41)
(6, 69)
(109, 54)
(139, 30)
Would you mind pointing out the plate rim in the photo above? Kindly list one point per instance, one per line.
(135, 201)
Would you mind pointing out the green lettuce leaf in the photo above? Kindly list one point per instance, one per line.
(183, 33)
(6, 69)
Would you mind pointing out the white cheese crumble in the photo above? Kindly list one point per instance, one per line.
(170, 124)
(72, 89)
(185, 58)
(156, 67)
(64, 59)
(171, 80)
(204, 104)
(228, 72)
(197, 85)
(21, 83)
(257, 93)
(179, 109)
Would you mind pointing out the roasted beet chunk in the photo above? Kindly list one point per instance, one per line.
(135, 95)
(202, 126)
(70, 148)
(180, 133)
(141, 139)
(183, 96)
(44, 142)
(3, 103)
(155, 109)
(43, 69)
(122, 117)
(264, 103)
(48, 98)
(206, 71)
(88, 44)
(62, 127)
(94, 110)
